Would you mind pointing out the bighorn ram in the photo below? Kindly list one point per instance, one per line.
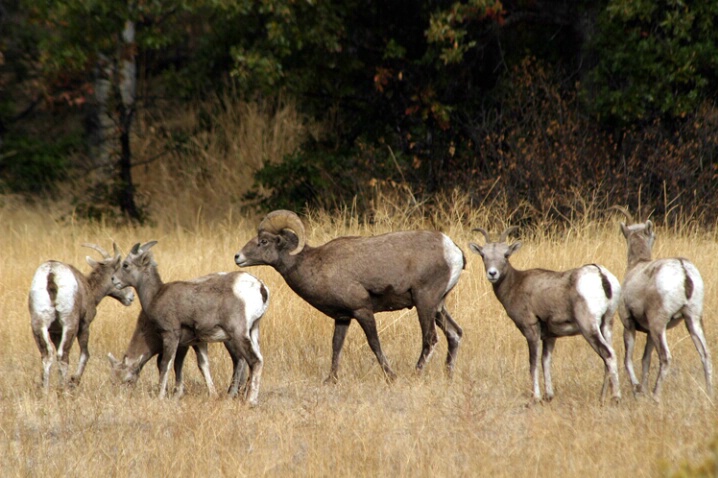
(222, 307)
(546, 305)
(63, 304)
(146, 343)
(355, 277)
(657, 295)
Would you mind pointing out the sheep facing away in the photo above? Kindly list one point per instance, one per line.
(221, 307)
(355, 277)
(658, 295)
(546, 305)
(63, 303)
(146, 343)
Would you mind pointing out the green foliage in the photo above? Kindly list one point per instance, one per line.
(656, 58)
(34, 166)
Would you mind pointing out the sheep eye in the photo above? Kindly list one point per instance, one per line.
(125, 265)
(263, 242)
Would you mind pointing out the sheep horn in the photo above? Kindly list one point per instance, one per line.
(104, 253)
(625, 212)
(506, 233)
(482, 231)
(277, 221)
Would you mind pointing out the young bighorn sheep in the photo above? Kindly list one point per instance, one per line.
(222, 307)
(63, 303)
(355, 277)
(547, 304)
(657, 295)
(146, 343)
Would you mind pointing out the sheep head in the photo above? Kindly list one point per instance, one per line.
(102, 271)
(135, 266)
(275, 233)
(495, 254)
(640, 237)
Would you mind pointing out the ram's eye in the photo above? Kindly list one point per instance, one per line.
(263, 242)
(125, 265)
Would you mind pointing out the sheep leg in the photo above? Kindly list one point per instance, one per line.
(548, 346)
(341, 326)
(251, 353)
(453, 334)
(533, 343)
(63, 352)
(368, 325)
(47, 352)
(646, 362)
(178, 368)
(629, 341)
(695, 328)
(428, 336)
(201, 350)
(239, 369)
(664, 355)
(83, 339)
(170, 342)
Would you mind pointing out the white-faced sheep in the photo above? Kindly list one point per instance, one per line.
(63, 303)
(547, 304)
(222, 307)
(657, 295)
(355, 277)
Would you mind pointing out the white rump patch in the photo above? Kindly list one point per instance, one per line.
(590, 287)
(67, 287)
(455, 259)
(248, 289)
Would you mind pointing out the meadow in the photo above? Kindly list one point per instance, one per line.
(477, 424)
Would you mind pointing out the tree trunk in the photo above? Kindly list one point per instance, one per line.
(126, 109)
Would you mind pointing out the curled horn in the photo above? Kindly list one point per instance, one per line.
(139, 249)
(506, 233)
(482, 231)
(104, 253)
(625, 212)
(280, 220)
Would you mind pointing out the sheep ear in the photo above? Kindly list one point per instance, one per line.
(476, 248)
(93, 263)
(649, 226)
(513, 248)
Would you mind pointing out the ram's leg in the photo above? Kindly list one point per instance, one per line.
(629, 341)
(658, 336)
(341, 326)
(170, 343)
(47, 353)
(178, 366)
(368, 325)
(453, 334)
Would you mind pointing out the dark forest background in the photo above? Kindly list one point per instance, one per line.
(544, 104)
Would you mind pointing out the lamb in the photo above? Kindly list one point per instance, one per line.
(658, 295)
(221, 307)
(146, 343)
(355, 277)
(547, 304)
(63, 303)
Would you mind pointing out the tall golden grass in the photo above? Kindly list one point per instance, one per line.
(477, 424)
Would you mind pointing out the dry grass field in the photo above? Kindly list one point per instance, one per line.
(477, 424)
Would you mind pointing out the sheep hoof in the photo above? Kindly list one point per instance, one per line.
(331, 380)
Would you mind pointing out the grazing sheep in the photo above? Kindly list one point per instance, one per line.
(146, 343)
(222, 307)
(546, 305)
(63, 303)
(657, 295)
(355, 277)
